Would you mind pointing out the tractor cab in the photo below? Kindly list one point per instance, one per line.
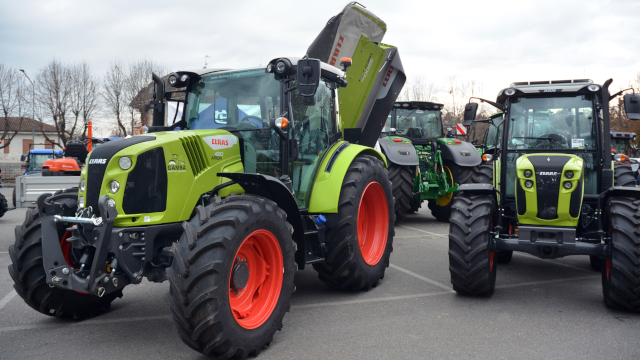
(34, 159)
(415, 120)
(621, 143)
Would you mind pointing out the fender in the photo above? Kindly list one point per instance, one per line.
(481, 189)
(331, 172)
(463, 154)
(399, 153)
(275, 190)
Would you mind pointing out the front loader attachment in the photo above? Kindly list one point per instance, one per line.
(375, 77)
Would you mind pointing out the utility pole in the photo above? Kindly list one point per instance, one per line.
(33, 111)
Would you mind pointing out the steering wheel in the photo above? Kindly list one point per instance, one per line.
(245, 124)
(553, 141)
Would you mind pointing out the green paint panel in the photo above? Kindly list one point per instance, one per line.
(367, 60)
(184, 188)
(326, 190)
(575, 164)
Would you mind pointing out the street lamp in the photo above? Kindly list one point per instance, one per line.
(33, 111)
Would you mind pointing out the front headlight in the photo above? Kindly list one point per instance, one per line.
(593, 87)
(528, 184)
(527, 173)
(510, 92)
(125, 163)
(568, 174)
(81, 185)
(111, 203)
(114, 186)
(567, 185)
(80, 202)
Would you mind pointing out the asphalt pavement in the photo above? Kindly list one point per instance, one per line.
(541, 309)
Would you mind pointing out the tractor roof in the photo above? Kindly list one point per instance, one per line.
(44, 151)
(551, 86)
(424, 105)
(623, 135)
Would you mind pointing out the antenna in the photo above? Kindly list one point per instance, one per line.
(205, 61)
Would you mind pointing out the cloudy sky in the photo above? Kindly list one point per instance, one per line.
(494, 42)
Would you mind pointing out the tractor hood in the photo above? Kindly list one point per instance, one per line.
(375, 78)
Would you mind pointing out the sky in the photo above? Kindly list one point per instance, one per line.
(492, 42)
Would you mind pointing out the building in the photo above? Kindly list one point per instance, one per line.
(22, 141)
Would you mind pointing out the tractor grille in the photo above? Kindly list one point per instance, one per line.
(548, 188)
(195, 153)
(548, 171)
(146, 189)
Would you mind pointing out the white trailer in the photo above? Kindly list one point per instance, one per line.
(29, 188)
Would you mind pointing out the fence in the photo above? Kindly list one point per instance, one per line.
(10, 171)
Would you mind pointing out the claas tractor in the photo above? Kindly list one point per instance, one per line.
(423, 163)
(229, 207)
(555, 191)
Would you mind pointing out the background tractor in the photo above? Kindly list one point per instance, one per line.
(555, 191)
(228, 208)
(423, 163)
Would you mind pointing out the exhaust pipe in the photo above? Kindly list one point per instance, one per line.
(158, 101)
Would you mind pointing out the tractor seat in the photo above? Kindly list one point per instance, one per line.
(76, 149)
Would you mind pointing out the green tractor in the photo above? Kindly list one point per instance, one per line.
(254, 182)
(423, 163)
(621, 144)
(554, 193)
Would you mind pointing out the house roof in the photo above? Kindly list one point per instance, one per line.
(25, 124)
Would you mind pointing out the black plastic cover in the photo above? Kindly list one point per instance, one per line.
(399, 153)
(463, 154)
(146, 188)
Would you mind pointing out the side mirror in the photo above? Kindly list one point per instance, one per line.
(308, 77)
(23, 157)
(470, 111)
(632, 106)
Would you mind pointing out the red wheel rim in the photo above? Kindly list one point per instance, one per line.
(373, 223)
(490, 261)
(66, 248)
(253, 304)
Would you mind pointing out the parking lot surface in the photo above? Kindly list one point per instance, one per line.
(541, 309)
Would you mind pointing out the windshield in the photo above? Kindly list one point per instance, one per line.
(244, 99)
(493, 137)
(37, 160)
(552, 123)
(621, 146)
(418, 124)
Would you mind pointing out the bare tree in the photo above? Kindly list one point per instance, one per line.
(11, 100)
(139, 78)
(418, 89)
(55, 95)
(114, 96)
(84, 97)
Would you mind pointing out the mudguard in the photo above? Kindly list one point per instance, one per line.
(275, 190)
(399, 153)
(463, 154)
(331, 173)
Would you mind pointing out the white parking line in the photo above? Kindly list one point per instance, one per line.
(4, 252)
(5, 300)
(305, 306)
(423, 231)
(432, 282)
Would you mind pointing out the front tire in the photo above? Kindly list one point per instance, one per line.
(359, 245)
(471, 264)
(28, 272)
(232, 277)
(402, 186)
(621, 273)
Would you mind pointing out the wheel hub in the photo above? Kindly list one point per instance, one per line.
(240, 275)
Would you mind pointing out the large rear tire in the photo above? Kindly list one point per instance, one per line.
(623, 175)
(232, 277)
(28, 272)
(481, 174)
(402, 186)
(359, 245)
(621, 273)
(471, 264)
